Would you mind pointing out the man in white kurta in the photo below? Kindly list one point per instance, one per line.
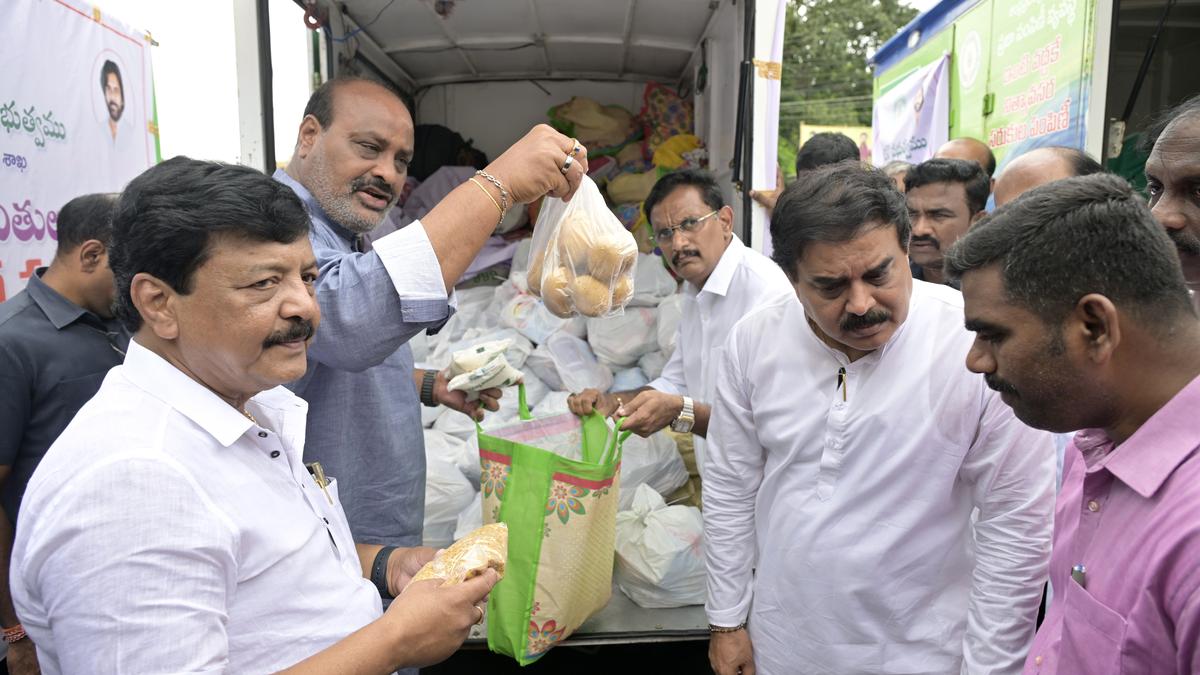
(870, 507)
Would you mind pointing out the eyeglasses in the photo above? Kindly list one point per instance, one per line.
(686, 226)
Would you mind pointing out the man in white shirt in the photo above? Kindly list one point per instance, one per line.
(869, 506)
(173, 526)
(724, 280)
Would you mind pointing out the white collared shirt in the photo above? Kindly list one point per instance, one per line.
(165, 532)
(743, 280)
(839, 519)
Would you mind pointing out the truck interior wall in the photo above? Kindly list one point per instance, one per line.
(1173, 76)
(495, 114)
(716, 104)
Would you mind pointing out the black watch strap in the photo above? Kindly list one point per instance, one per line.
(379, 571)
(427, 383)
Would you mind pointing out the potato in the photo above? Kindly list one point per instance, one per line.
(623, 291)
(591, 296)
(534, 276)
(554, 292)
(611, 257)
(575, 239)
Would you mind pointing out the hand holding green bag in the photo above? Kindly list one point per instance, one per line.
(561, 516)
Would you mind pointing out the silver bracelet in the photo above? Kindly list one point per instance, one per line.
(726, 629)
(495, 181)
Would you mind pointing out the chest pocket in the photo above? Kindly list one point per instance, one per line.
(1093, 635)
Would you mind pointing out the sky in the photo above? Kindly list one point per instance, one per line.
(195, 72)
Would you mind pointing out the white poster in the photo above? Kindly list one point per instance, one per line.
(912, 119)
(77, 116)
(768, 63)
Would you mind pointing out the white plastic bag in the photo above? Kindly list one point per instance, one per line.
(447, 493)
(652, 282)
(471, 518)
(463, 454)
(535, 391)
(670, 313)
(429, 416)
(554, 403)
(566, 363)
(619, 341)
(652, 364)
(455, 423)
(660, 552)
(629, 379)
(530, 318)
(654, 462)
(582, 259)
(472, 305)
(517, 351)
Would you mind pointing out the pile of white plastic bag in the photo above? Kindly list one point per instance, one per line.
(560, 356)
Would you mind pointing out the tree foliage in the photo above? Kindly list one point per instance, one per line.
(827, 77)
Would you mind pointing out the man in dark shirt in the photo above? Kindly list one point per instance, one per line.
(57, 341)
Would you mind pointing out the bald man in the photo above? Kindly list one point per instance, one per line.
(1040, 166)
(1172, 177)
(971, 149)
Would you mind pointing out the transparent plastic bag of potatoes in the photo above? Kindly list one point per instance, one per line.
(582, 260)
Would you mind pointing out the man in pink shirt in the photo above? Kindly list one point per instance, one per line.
(1082, 321)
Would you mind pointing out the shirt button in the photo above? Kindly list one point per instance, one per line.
(1093, 506)
(274, 454)
(1038, 661)
(262, 434)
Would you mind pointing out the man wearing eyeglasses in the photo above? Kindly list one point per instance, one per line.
(58, 339)
(725, 280)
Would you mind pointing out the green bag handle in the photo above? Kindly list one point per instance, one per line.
(616, 438)
(522, 405)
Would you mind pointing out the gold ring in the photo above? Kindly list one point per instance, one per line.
(575, 147)
(480, 610)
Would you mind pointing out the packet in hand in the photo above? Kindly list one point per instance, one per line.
(469, 557)
(582, 259)
(482, 367)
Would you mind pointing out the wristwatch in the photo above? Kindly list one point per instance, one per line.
(427, 383)
(687, 417)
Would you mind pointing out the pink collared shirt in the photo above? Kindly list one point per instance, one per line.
(1131, 516)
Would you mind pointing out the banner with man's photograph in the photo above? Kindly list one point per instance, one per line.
(912, 119)
(77, 116)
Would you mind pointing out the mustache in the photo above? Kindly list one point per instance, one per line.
(683, 253)
(300, 329)
(873, 317)
(926, 239)
(376, 183)
(1186, 242)
(999, 385)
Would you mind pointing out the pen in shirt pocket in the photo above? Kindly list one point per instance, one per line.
(318, 474)
(1079, 574)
